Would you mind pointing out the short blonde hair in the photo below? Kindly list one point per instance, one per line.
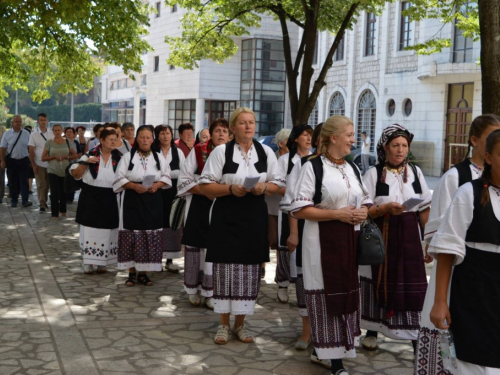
(237, 112)
(335, 125)
(283, 135)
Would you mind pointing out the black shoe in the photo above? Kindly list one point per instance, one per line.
(13, 205)
(27, 204)
(42, 209)
(1, 200)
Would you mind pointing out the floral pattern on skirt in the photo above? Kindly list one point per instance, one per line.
(198, 274)
(99, 247)
(142, 249)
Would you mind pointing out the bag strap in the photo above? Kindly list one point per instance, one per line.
(17, 140)
(358, 175)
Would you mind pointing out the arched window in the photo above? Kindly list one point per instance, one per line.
(367, 115)
(313, 117)
(337, 105)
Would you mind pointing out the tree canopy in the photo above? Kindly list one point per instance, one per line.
(76, 37)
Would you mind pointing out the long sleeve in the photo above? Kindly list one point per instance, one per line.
(187, 179)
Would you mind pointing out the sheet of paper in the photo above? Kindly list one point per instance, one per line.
(412, 202)
(148, 181)
(250, 182)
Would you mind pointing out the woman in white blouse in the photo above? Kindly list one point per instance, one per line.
(393, 292)
(467, 242)
(140, 240)
(428, 359)
(238, 242)
(331, 198)
(97, 211)
(165, 146)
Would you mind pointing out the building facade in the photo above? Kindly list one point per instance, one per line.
(376, 82)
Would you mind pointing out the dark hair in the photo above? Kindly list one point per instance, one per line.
(478, 127)
(316, 135)
(114, 125)
(185, 126)
(140, 129)
(106, 132)
(42, 115)
(28, 128)
(157, 132)
(81, 127)
(492, 140)
(218, 122)
(127, 125)
(69, 128)
(96, 128)
(364, 133)
(53, 126)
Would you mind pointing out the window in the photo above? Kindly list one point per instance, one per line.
(391, 107)
(112, 85)
(180, 112)
(337, 105)
(144, 80)
(339, 53)
(171, 67)
(263, 83)
(462, 46)
(371, 21)
(315, 56)
(119, 84)
(405, 34)
(313, 117)
(407, 107)
(157, 63)
(367, 114)
(174, 8)
(158, 9)
(218, 109)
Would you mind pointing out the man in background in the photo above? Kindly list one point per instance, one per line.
(365, 152)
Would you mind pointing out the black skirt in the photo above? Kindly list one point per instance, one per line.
(168, 197)
(142, 211)
(238, 230)
(197, 222)
(97, 208)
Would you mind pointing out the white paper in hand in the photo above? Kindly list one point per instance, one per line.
(412, 202)
(250, 182)
(148, 181)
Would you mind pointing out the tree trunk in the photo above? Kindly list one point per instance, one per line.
(489, 23)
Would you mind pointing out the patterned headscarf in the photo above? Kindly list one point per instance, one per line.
(388, 134)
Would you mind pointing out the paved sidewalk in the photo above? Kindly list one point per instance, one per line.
(56, 320)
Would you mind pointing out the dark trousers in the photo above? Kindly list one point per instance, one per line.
(17, 173)
(57, 196)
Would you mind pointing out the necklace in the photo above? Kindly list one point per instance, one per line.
(144, 158)
(334, 161)
(476, 167)
(245, 156)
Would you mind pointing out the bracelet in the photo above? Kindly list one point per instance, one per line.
(231, 189)
(265, 189)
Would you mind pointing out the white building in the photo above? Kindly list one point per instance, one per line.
(254, 77)
(373, 81)
(376, 83)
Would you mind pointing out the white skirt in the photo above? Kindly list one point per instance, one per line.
(99, 246)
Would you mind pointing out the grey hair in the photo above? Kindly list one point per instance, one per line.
(283, 135)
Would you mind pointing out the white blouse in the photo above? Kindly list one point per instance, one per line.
(281, 178)
(140, 170)
(442, 196)
(174, 173)
(105, 176)
(212, 173)
(187, 175)
(450, 236)
(399, 191)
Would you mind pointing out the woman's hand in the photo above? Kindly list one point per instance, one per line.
(258, 189)
(154, 188)
(346, 215)
(427, 257)
(292, 242)
(93, 160)
(394, 208)
(139, 189)
(239, 191)
(360, 214)
(439, 313)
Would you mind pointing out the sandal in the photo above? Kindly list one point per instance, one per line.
(222, 335)
(144, 279)
(243, 335)
(131, 279)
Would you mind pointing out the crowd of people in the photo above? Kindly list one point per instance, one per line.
(308, 202)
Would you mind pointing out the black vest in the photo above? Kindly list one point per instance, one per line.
(382, 189)
(464, 172)
(485, 227)
(231, 167)
(175, 163)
